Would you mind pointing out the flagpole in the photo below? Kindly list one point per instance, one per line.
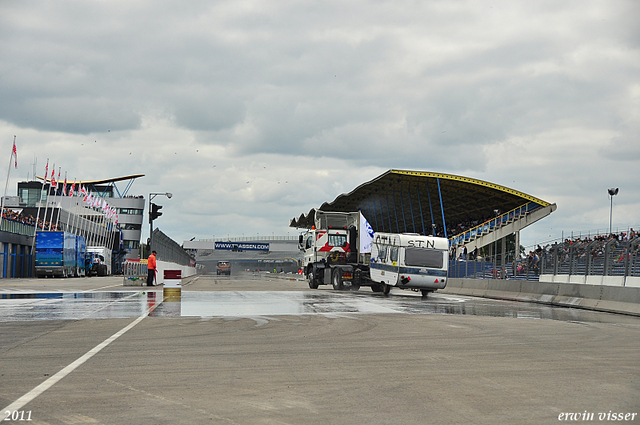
(56, 195)
(46, 205)
(61, 198)
(6, 185)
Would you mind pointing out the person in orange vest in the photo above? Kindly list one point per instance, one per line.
(151, 269)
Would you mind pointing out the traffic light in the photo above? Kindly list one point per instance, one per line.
(155, 212)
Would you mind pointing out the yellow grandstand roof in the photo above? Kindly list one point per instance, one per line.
(410, 201)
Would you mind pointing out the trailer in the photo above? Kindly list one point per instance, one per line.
(98, 261)
(342, 250)
(409, 261)
(59, 254)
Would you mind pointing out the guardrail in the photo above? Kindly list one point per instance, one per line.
(17, 227)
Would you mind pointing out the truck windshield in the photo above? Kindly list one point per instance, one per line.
(419, 257)
(338, 240)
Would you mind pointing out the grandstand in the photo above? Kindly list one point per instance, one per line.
(469, 212)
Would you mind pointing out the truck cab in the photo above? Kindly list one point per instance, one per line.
(223, 267)
(98, 261)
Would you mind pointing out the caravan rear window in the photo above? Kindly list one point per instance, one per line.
(419, 257)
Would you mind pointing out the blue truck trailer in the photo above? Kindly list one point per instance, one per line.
(59, 254)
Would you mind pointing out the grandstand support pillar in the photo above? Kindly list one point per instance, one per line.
(503, 247)
(516, 255)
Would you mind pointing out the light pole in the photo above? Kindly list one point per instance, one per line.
(154, 213)
(612, 192)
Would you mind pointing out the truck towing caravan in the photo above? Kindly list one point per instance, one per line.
(342, 250)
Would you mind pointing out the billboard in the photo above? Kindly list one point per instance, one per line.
(242, 246)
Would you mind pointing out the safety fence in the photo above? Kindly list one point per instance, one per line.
(599, 257)
(168, 250)
(488, 268)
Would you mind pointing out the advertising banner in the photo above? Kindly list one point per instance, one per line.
(242, 246)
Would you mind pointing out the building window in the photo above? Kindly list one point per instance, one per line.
(131, 211)
(131, 245)
(31, 196)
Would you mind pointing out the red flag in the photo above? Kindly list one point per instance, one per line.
(15, 152)
(53, 176)
(46, 171)
(73, 189)
(64, 186)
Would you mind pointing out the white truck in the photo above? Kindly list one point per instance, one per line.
(98, 261)
(342, 250)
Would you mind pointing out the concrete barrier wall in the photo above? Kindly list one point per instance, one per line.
(615, 299)
(164, 265)
(187, 273)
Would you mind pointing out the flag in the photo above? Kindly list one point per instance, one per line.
(72, 190)
(14, 152)
(64, 186)
(53, 176)
(366, 235)
(46, 171)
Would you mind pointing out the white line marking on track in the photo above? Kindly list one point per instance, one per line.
(19, 403)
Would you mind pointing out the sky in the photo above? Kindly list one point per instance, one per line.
(251, 112)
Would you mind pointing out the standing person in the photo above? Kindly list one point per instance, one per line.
(151, 269)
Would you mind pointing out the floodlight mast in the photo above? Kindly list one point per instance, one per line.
(612, 192)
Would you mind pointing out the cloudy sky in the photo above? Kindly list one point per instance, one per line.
(252, 112)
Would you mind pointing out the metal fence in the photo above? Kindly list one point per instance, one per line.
(486, 268)
(600, 257)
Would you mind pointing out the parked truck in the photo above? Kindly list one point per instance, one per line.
(342, 250)
(59, 254)
(98, 261)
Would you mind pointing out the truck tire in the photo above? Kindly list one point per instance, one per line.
(386, 288)
(425, 293)
(311, 279)
(336, 279)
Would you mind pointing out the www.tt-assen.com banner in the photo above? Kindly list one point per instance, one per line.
(245, 246)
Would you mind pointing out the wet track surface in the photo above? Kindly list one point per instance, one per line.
(101, 305)
(257, 349)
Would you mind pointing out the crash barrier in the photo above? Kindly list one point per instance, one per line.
(135, 272)
(614, 299)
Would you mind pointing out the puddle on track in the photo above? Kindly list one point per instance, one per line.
(103, 305)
